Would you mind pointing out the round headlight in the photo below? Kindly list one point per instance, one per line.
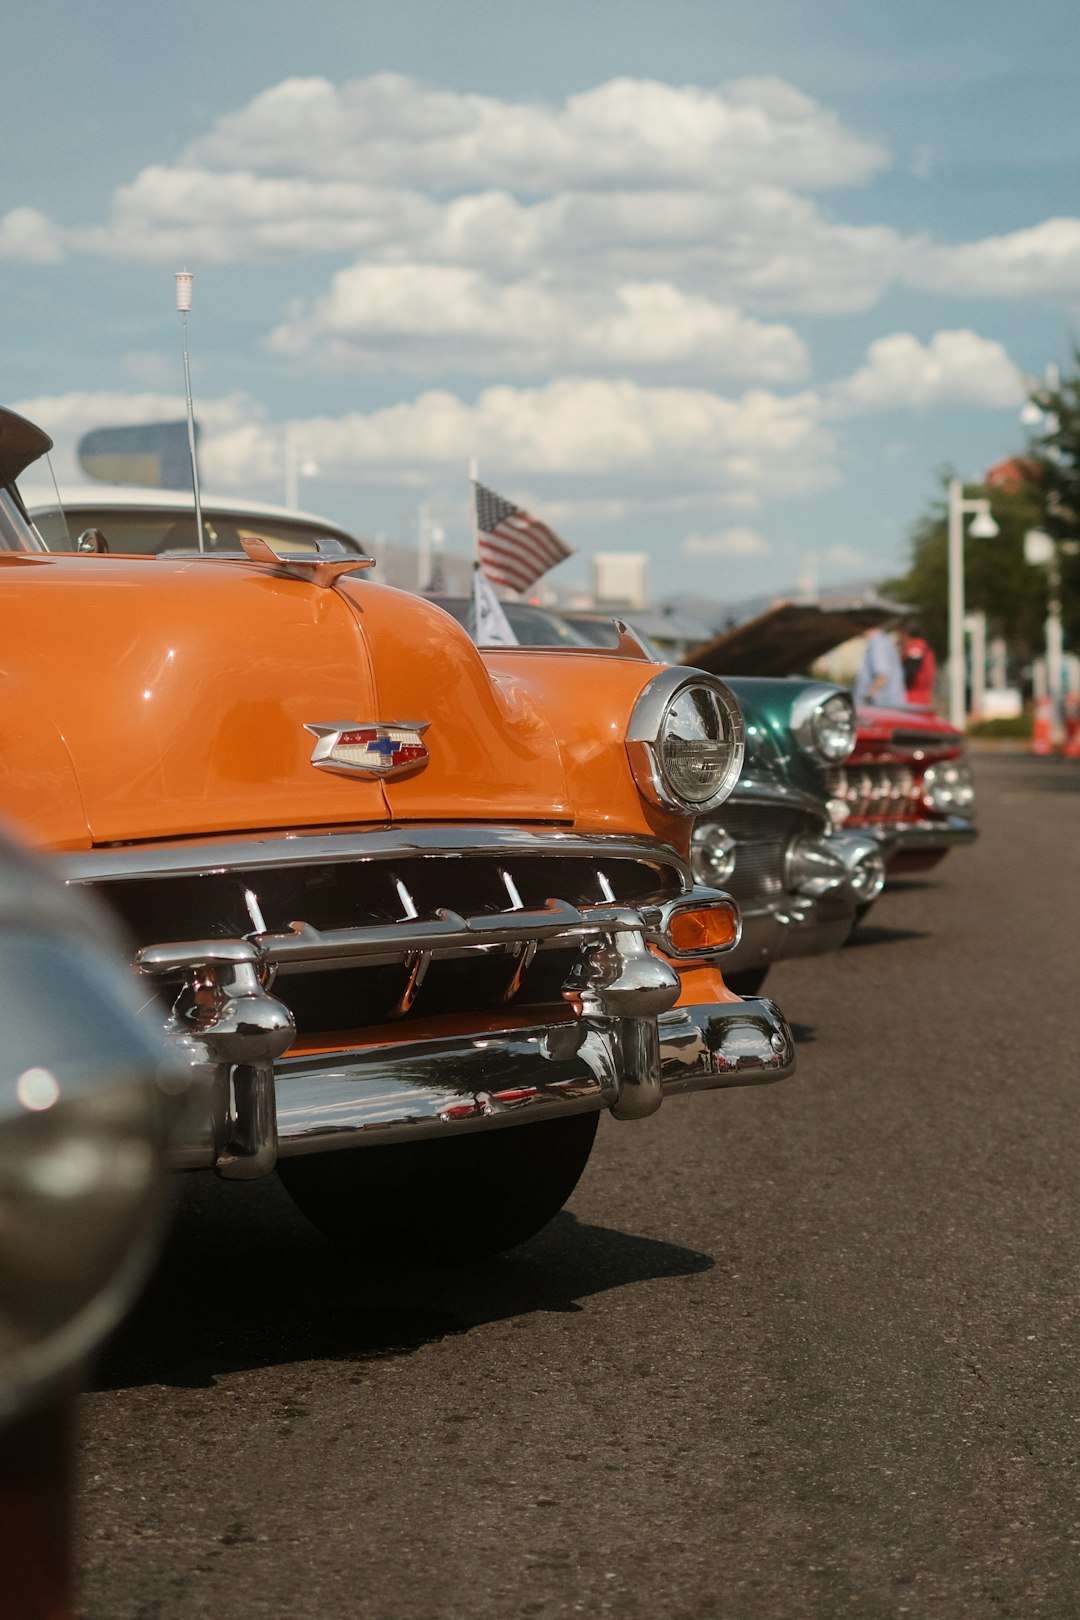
(686, 741)
(834, 727)
(712, 854)
(823, 721)
(949, 786)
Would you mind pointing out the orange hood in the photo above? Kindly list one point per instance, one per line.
(142, 698)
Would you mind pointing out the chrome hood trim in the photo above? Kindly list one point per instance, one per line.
(380, 842)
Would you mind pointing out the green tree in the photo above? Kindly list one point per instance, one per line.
(997, 580)
(1040, 490)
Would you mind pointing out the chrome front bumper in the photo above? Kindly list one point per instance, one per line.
(808, 923)
(908, 837)
(792, 926)
(618, 1040)
(430, 1088)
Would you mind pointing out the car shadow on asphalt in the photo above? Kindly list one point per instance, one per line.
(246, 1282)
(872, 934)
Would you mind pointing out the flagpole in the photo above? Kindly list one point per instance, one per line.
(184, 279)
(474, 476)
(423, 558)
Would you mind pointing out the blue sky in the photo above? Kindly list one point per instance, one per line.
(722, 284)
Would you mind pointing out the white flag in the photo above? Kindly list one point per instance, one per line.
(491, 627)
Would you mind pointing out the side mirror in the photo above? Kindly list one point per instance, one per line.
(92, 540)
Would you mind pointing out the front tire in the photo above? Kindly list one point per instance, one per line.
(446, 1199)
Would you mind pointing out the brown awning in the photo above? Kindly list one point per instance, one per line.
(788, 637)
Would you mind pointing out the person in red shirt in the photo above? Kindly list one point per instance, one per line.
(920, 667)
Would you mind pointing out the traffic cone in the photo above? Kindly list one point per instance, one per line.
(1071, 749)
(1042, 735)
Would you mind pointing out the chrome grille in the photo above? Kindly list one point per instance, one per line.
(875, 792)
(762, 833)
(357, 883)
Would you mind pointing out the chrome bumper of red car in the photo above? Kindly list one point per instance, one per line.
(396, 1093)
(906, 837)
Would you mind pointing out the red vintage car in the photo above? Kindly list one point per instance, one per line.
(906, 781)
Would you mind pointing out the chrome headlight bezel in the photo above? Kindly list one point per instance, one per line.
(667, 702)
(823, 721)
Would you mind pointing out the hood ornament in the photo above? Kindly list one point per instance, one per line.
(322, 567)
(369, 747)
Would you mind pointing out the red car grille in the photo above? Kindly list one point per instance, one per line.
(876, 792)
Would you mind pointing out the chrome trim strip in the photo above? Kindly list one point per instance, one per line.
(751, 789)
(382, 841)
(307, 949)
(449, 1087)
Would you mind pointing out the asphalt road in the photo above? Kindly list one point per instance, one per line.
(803, 1351)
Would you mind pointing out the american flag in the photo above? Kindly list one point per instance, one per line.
(514, 548)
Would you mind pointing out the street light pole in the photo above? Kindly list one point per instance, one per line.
(983, 528)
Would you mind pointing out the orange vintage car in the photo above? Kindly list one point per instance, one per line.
(420, 912)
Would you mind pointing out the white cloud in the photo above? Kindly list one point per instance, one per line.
(392, 129)
(29, 237)
(66, 417)
(921, 166)
(632, 181)
(954, 368)
(1043, 262)
(669, 448)
(727, 543)
(196, 214)
(435, 316)
(844, 556)
(755, 244)
(576, 432)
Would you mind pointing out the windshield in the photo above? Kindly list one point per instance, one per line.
(533, 626)
(144, 532)
(15, 533)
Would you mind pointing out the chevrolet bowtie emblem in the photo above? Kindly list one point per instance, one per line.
(369, 748)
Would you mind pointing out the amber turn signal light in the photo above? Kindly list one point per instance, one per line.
(710, 928)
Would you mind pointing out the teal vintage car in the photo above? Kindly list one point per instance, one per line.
(799, 882)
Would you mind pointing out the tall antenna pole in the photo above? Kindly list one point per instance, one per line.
(184, 279)
(474, 478)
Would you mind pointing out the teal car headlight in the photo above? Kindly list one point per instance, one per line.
(823, 722)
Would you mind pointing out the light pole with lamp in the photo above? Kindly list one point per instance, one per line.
(983, 527)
